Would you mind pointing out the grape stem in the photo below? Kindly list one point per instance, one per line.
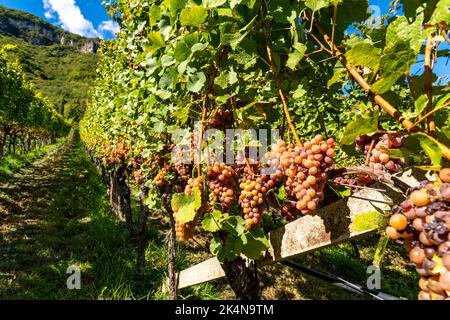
(430, 113)
(372, 144)
(384, 104)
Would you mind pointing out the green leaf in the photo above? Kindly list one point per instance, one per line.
(443, 100)
(225, 79)
(235, 225)
(213, 3)
(231, 249)
(299, 92)
(367, 221)
(156, 41)
(212, 221)
(380, 250)
(315, 5)
(193, 16)
(256, 245)
(186, 206)
(338, 72)
(175, 5)
(420, 104)
(154, 15)
(365, 123)
(196, 82)
(430, 147)
(182, 50)
(441, 13)
(233, 39)
(400, 30)
(394, 63)
(295, 56)
(281, 194)
(280, 10)
(364, 54)
(215, 246)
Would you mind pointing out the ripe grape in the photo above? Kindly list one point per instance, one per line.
(379, 158)
(398, 221)
(159, 179)
(425, 218)
(444, 175)
(222, 185)
(305, 170)
(222, 119)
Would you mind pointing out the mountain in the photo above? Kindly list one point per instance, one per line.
(61, 64)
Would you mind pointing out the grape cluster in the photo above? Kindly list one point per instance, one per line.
(253, 191)
(222, 119)
(185, 231)
(352, 180)
(222, 182)
(194, 183)
(138, 175)
(159, 179)
(379, 156)
(423, 221)
(182, 169)
(305, 170)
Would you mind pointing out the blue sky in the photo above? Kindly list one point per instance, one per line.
(89, 18)
(84, 17)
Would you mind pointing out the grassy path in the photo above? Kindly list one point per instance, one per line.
(44, 225)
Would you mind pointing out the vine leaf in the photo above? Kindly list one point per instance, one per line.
(380, 250)
(364, 54)
(256, 244)
(196, 82)
(213, 221)
(193, 16)
(441, 13)
(430, 147)
(315, 5)
(295, 56)
(364, 123)
(213, 3)
(367, 221)
(186, 206)
(156, 41)
(402, 47)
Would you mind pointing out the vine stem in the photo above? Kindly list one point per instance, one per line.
(384, 104)
(428, 88)
(430, 113)
(372, 144)
(280, 90)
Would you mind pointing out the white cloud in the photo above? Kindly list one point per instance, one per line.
(49, 15)
(108, 26)
(70, 17)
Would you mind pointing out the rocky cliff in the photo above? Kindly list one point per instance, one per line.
(37, 31)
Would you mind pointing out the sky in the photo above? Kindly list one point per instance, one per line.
(89, 18)
(83, 17)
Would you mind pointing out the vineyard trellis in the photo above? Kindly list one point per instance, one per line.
(260, 64)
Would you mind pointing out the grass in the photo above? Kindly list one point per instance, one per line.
(13, 162)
